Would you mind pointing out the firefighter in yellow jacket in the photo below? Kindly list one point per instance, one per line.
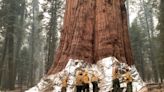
(64, 84)
(116, 82)
(94, 81)
(85, 81)
(128, 78)
(79, 81)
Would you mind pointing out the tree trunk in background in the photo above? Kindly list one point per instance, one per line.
(34, 44)
(8, 74)
(19, 36)
(150, 38)
(93, 30)
(161, 37)
(9, 58)
(137, 45)
(52, 34)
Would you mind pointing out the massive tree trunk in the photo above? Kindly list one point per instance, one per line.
(93, 29)
(93, 39)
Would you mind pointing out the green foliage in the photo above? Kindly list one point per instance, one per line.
(143, 35)
(56, 12)
(137, 42)
(23, 68)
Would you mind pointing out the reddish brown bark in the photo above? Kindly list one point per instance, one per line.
(93, 29)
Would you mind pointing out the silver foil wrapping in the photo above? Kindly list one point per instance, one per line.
(103, 69)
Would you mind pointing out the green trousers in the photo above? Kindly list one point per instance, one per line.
(116, 85)
(129, 87)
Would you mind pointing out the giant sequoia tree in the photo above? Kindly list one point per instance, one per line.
(93, 29)
(94, 37)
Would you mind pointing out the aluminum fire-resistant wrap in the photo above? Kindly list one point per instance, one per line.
(72, 65)
(137, 83)
(44, 84)
(103, 70)
(105, 66)
(71, 70)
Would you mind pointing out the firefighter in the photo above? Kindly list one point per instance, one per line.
(64, 84)
(94, 80)
(86, 81)
(128, 78)
(116, 82)
(79, 82)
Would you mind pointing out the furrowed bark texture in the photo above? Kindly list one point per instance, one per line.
(93, 29)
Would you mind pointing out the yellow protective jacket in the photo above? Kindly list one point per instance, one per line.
(79, 78)
(85, 78)
(94, 78)
(64, 82)
(115, 73)
(128, 78)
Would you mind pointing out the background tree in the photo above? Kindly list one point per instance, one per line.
(137, 40)
(145, 26)
(52, 34)
(24, 26)
(8, 65)
(161, 39)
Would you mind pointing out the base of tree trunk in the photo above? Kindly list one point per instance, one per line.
(103, 70)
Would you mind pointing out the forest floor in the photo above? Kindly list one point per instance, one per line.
(151, 88)
(156, 88)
